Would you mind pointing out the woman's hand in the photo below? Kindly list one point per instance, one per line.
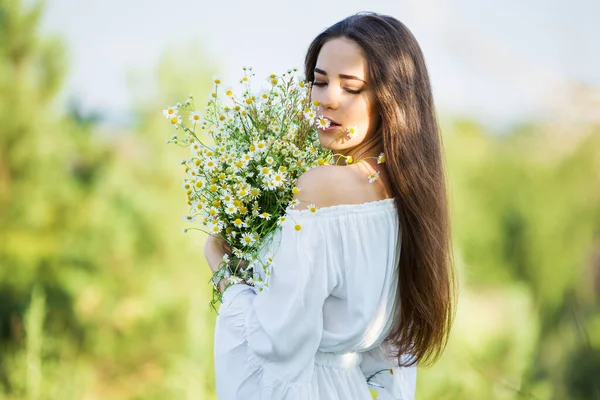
(214, 250)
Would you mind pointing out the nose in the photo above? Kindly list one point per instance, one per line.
(328, 97)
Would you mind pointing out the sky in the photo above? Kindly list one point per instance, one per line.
(498, 62)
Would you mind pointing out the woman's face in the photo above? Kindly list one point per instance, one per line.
(345, 97)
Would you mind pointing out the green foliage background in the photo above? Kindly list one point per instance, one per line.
(102, 297)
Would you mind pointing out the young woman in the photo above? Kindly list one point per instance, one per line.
(365, 289)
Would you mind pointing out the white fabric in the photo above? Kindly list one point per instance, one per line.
(318, 330)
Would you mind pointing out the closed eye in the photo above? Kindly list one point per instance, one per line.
(322, 84)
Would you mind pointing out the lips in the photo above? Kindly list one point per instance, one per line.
(332, 122)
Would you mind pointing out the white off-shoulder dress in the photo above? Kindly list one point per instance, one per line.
(317, 331)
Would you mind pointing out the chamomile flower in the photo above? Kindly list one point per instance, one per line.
(239, 223)
(254, 192)
(175, 120)
(278, 179)
(281, 221)
(189, 218)
(211, 165)
(312, 208)
(231, 209)
(264, 94)
(351, 131)
(309, 116)
(195, 147)
(247, 239)
(323, 123)
(265, 215)
(195, 117)
(265, 171)
(268, 184)
(170, 112)
(373, 176)
(261, 146)
(294, 203)
(215, 226)
(381, 159)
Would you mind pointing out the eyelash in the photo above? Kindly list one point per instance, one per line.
(322, 84)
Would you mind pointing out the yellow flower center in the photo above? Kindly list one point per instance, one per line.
(298, 227)
(174, 120)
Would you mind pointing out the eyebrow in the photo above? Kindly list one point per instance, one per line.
(343, 76)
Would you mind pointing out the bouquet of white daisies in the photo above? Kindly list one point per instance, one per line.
(247, 152)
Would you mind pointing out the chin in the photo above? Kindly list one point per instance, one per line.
(328, 142)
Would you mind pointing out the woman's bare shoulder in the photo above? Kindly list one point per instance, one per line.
(331, 185)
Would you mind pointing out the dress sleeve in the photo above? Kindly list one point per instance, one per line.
(266, 341)
(399, 384)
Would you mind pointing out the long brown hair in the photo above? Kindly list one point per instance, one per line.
(426, 296)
